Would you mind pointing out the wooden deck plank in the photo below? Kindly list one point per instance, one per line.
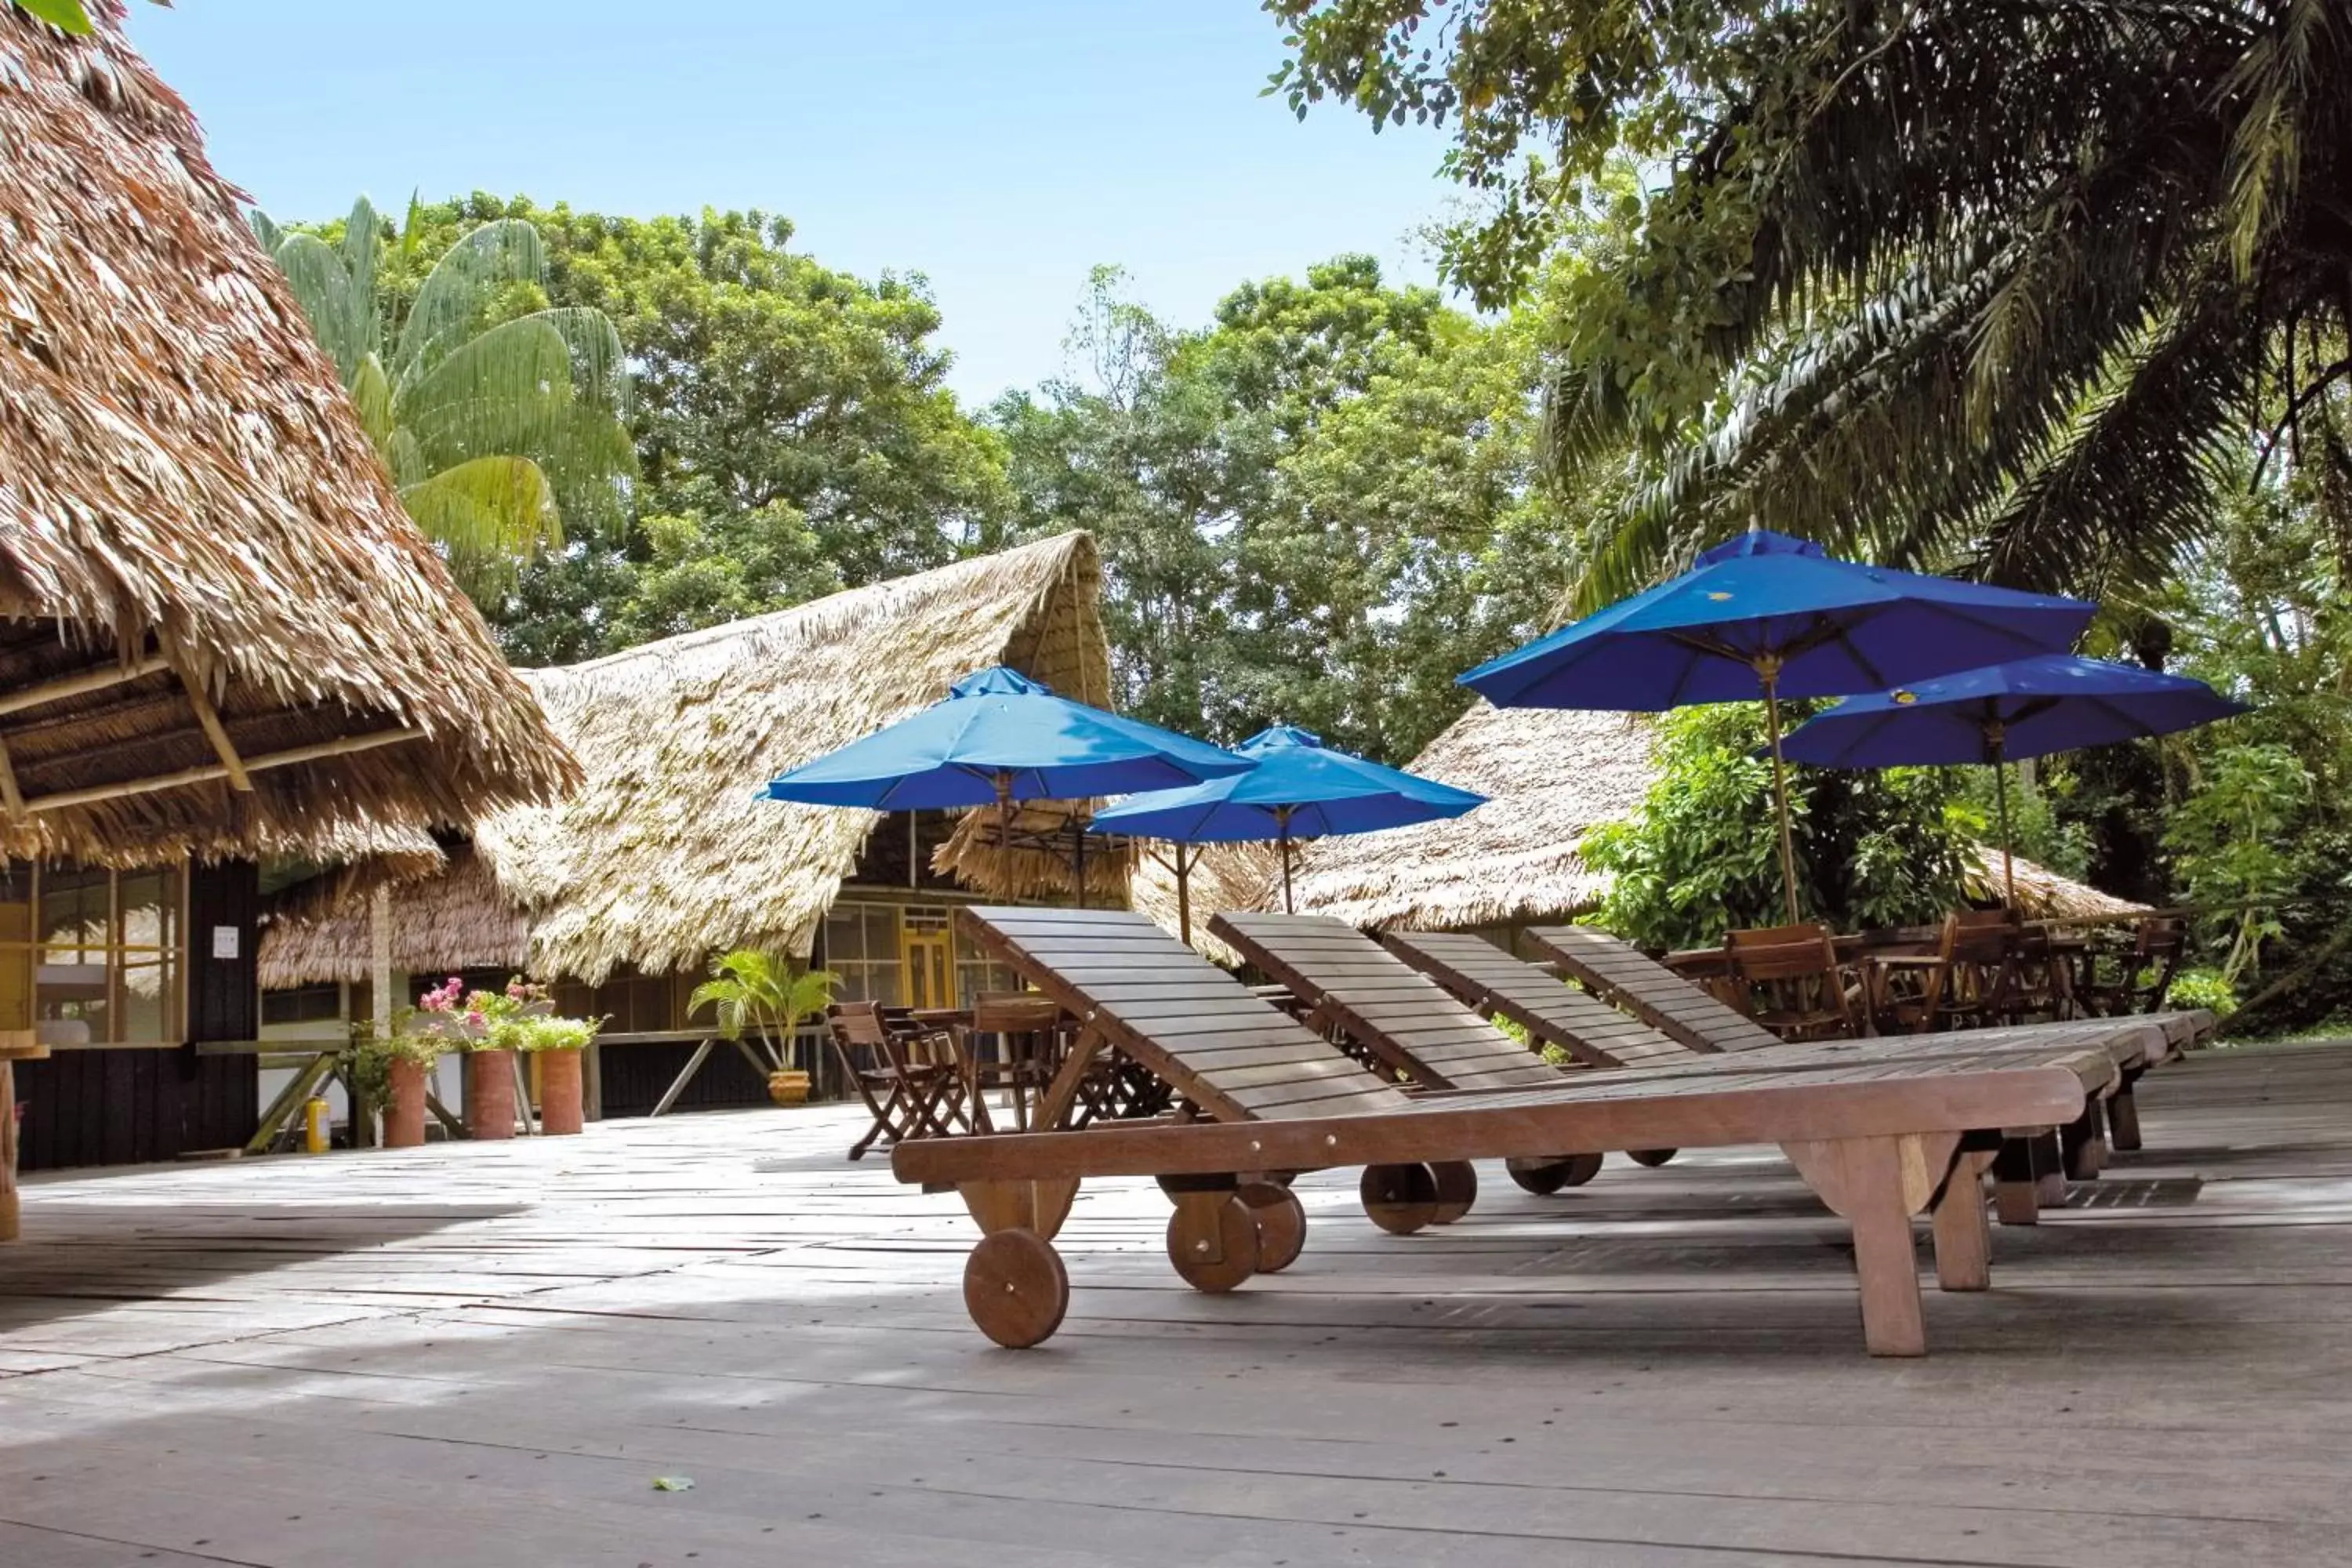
(1655, 1369)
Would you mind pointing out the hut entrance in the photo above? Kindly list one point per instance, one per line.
(927, 953)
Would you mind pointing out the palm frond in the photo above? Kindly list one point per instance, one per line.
(488, 512)
(450, 302)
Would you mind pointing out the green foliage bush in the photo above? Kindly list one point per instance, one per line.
(1873, 849)
(2208, 988)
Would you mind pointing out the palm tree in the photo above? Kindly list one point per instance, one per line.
(2014, 289)
(498, 434)
(748, 990)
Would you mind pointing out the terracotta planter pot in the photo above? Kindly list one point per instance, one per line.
(490, 1094)
(403, 1116)
(788, 1088)
(560, 1107)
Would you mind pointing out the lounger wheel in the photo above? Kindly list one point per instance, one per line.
(1400, 1199)
(1545, 1177)
(1457, 1189)
(1213, 1241)
(1281, 1223)
(1016, 1288)
(1652, 1158)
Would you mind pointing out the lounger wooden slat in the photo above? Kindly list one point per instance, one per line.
(1628, 978)
(1385, 1006)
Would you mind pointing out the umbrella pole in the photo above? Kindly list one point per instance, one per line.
(2000, 793)
(1768, 669)
(1184, 893)
(1282, 826)
(1078, 856)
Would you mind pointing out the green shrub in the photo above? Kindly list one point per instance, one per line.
(2203, 988)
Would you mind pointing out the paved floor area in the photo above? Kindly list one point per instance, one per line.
(488, 1355)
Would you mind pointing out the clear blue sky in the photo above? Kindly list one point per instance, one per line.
(999, 147)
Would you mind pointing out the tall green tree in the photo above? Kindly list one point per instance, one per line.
(1998, 285)
(499, 417)
(1319, 509)
(783, 411)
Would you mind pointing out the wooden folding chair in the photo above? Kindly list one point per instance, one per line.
(1024, 1026)
(913, 1082)
(1975, 980)
(2143, 976)
(1788, 979)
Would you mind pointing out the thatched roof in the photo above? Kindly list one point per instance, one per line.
(463, 922)
(1550, 776)
(2044, 894)
(203, 569)
(667, 852)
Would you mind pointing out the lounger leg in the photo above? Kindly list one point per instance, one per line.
(2016, 1189)
(1963, 1233)
(2083, 1144)
(2123, 1117)
(2049, 1170)
(1876, 1185)
(1040, 1206)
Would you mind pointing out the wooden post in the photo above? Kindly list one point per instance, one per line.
(10, 1210)
(379, 984)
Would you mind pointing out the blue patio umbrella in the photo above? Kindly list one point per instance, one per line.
(2025, 708)
(999, 736)
(1300, 789)
(1772, 616)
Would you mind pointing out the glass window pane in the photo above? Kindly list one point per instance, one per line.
(844, 936)
(881, 933)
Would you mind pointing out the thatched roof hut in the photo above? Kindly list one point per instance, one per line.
(219, 632)
(667, 852)
(456, 919)
(1550, 775)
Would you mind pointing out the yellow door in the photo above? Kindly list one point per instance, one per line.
(929, 957)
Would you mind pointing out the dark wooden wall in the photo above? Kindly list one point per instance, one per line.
(635, 1077)
(113, 1107)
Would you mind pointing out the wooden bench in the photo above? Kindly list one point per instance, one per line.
(1878, 1140)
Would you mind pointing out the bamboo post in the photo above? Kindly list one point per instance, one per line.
(379, 979)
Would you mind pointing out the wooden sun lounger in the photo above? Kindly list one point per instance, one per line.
(1392, 1000)
(1618, 973)
(1878, 1140)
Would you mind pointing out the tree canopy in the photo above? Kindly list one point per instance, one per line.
(1995, 286)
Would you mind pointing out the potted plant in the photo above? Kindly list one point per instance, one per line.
(394, 1073)
(556, 1043)
(478, 1025)
(749, 991)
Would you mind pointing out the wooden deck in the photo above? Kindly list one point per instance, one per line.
(485, 1355)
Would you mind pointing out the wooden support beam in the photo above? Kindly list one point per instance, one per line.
(81, 683)
(60, 799)
(209, 717)
(10, 796)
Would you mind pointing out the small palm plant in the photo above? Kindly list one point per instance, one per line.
(750, 992)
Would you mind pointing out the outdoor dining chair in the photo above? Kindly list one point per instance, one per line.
(2142, 976)
(912, 1080)
(1788, 978)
